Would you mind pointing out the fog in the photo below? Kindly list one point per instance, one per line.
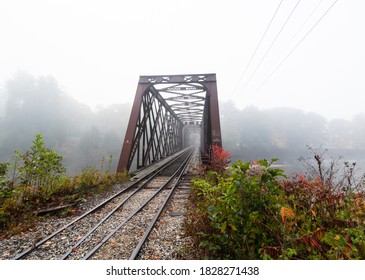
(97, 49)
(82, 136)
(291, 71)
(86, 137)
(291, 134)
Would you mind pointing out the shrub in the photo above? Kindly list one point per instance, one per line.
(237, 209)
(5, 187)
(328, 223)
(41, 168)
(254, 212)
(219, 159)
(39, 180)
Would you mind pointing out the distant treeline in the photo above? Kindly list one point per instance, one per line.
(84, 137)
(286, 133)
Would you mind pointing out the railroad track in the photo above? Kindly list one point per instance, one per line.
(118, 227)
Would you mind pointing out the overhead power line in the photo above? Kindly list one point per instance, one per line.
(257, 47)
(295, 47)
(296, 34)
(272, 44)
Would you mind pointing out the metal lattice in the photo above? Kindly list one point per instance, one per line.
(163, 106)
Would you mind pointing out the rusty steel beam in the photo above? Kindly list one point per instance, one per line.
(129, 139)
(216, 138)
(162, 106)
(160, 79)
(147, 131)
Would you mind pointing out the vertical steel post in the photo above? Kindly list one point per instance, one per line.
(125, 160)
(214, 120)
(160, 127)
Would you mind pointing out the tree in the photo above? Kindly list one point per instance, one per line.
(358, 131)
(254, 132)
(339, 134)
(41, 167)
(38, 105)
(230, 122)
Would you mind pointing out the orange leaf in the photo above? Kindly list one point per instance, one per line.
(314, 213)
(314, 243)
(318, 233)
(286, 212)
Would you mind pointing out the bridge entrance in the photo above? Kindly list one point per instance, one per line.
(170, 113)
(191, 135)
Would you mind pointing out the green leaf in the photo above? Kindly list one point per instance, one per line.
(233, 227)
(224, 227)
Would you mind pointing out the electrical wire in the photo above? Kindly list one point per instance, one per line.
(295, 35)
(257, 47)
(272, 44)
(295, 47)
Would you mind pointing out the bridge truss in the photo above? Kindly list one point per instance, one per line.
(165, 111)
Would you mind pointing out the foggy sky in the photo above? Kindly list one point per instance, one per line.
(96, 50)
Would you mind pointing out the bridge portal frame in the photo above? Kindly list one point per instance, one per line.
(155, 130)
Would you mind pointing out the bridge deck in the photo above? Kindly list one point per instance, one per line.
(151, 168)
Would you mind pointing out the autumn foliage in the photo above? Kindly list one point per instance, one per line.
(36, 180)
(218, 159)
(253, 211)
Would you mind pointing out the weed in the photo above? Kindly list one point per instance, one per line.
(253, 211)
(38, 180)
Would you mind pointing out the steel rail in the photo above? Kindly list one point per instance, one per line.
(107, 237)
(147, 232)
(65, 256)
(39, 243)
(29, 250)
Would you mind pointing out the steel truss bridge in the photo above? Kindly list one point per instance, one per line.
(170, 113)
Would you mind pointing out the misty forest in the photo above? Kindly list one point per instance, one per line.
(84, 137)
(294, 188)
(38, 105)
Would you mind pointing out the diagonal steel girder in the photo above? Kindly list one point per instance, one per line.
(163, 105)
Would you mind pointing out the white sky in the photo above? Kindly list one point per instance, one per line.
(97, 49)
